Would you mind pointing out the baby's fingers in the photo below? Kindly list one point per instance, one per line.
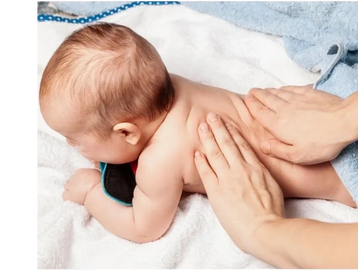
(66, 195)
(68, 185)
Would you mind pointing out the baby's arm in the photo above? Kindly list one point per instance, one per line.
(156, 198)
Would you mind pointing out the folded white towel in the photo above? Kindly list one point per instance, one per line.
(202, 48)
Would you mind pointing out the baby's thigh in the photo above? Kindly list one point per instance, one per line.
(316, 181)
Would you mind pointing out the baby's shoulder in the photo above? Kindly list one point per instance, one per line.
(159, 161)
(159, 154)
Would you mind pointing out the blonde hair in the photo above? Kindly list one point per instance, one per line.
(111, 73)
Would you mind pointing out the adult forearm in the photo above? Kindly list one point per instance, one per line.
(350, 112)
(308, 243)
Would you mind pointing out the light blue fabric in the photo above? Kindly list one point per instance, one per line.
(90, 8)
(96, 11)
(87, 8)
(317, 35)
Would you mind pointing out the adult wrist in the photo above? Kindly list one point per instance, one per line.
(271, 242)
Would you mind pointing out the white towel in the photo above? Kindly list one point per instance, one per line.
(199, 47)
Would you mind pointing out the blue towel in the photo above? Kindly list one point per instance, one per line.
(87, 8)
(318, 36)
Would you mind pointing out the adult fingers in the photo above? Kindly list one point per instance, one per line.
(246, 151)
(224, 140)
(280, 150)
(285, 95)
(206, 174)
(297, 89)
(213, 153)
(265, 116)
(268, 99)
(257, 171)
(276, 194)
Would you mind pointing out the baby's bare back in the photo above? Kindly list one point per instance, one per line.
(179, 133)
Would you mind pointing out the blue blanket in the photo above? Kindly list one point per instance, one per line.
(317, 35)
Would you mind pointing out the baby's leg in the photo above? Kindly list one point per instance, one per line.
(316, 181)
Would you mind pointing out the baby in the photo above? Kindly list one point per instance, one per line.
(108, 92)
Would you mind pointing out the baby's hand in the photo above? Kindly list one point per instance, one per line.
(80, 184)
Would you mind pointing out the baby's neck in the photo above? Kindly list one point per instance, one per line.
(149, 128)
(196, 100)
(192, 103)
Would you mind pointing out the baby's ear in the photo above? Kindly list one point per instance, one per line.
(130, 132)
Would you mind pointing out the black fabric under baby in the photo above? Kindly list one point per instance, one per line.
(118, 182)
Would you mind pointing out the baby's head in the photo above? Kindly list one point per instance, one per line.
(104, 89)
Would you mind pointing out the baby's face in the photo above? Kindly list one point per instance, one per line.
(114, 150)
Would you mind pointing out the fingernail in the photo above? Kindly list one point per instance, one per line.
(212, 117)
(197, 154)
(204, 127)
(266, 147)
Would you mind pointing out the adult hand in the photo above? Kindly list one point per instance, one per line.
(249, 205)
(241, 191)
(309, 125)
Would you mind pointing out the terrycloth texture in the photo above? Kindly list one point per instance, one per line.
(45, 8)
(202, 48)
(309, 29)
(86, 8)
